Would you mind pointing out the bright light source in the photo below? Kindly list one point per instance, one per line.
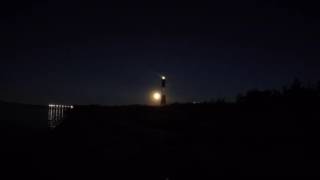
(163, 77)
(71, 107)
(156, 96)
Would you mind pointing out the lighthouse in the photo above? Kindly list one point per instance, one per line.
(163, 91)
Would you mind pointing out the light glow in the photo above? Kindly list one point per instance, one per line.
(163, 77)
(156, 96)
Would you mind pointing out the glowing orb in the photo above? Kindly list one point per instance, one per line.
(156, 96)
(163, 77)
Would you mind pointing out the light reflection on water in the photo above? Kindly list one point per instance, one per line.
(56, 113)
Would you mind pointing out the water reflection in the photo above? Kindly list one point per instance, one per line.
(56, 114)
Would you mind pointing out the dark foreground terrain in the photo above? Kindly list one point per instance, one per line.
(263, 134)
(23, 137)
(187, 141)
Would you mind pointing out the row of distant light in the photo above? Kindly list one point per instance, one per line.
(60, 106)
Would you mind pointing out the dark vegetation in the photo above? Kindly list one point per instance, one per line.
(265, 133)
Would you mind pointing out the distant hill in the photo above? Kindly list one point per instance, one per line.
(3, 102)
(15, 104)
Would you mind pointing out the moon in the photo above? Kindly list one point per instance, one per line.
(156, 96)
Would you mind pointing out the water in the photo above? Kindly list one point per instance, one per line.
(56, 114)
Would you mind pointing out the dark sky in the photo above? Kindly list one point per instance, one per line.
(104, 52)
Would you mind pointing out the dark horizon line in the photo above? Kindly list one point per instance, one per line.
(226, 99)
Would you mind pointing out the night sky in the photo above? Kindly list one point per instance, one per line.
(112, 53)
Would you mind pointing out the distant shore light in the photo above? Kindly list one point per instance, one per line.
(60, 106)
